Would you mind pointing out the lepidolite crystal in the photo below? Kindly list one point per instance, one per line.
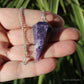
(40, 31)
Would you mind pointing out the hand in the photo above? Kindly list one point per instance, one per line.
(12, 44)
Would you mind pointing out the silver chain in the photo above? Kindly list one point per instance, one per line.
(43, 16)
(25, 46)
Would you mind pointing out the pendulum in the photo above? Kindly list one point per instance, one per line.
(40, 32)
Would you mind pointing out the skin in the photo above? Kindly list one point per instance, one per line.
(12, 44)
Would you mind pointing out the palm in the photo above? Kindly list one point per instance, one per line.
(11, 57)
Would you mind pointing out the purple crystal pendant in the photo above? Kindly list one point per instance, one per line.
(40, 32)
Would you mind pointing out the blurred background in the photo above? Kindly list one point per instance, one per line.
(70, 69)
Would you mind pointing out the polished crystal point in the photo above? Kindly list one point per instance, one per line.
(40, 31)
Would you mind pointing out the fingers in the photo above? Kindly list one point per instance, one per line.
(16, 70)
(3, 37)
(58, 49)
(60, 34)
(70, 34)
(61, 49)
(10, 18)
(16, 36)
(3, 45)
(17, 53)
(3, 52)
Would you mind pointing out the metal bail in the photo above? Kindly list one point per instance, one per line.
(43, 16)
(25, 46)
